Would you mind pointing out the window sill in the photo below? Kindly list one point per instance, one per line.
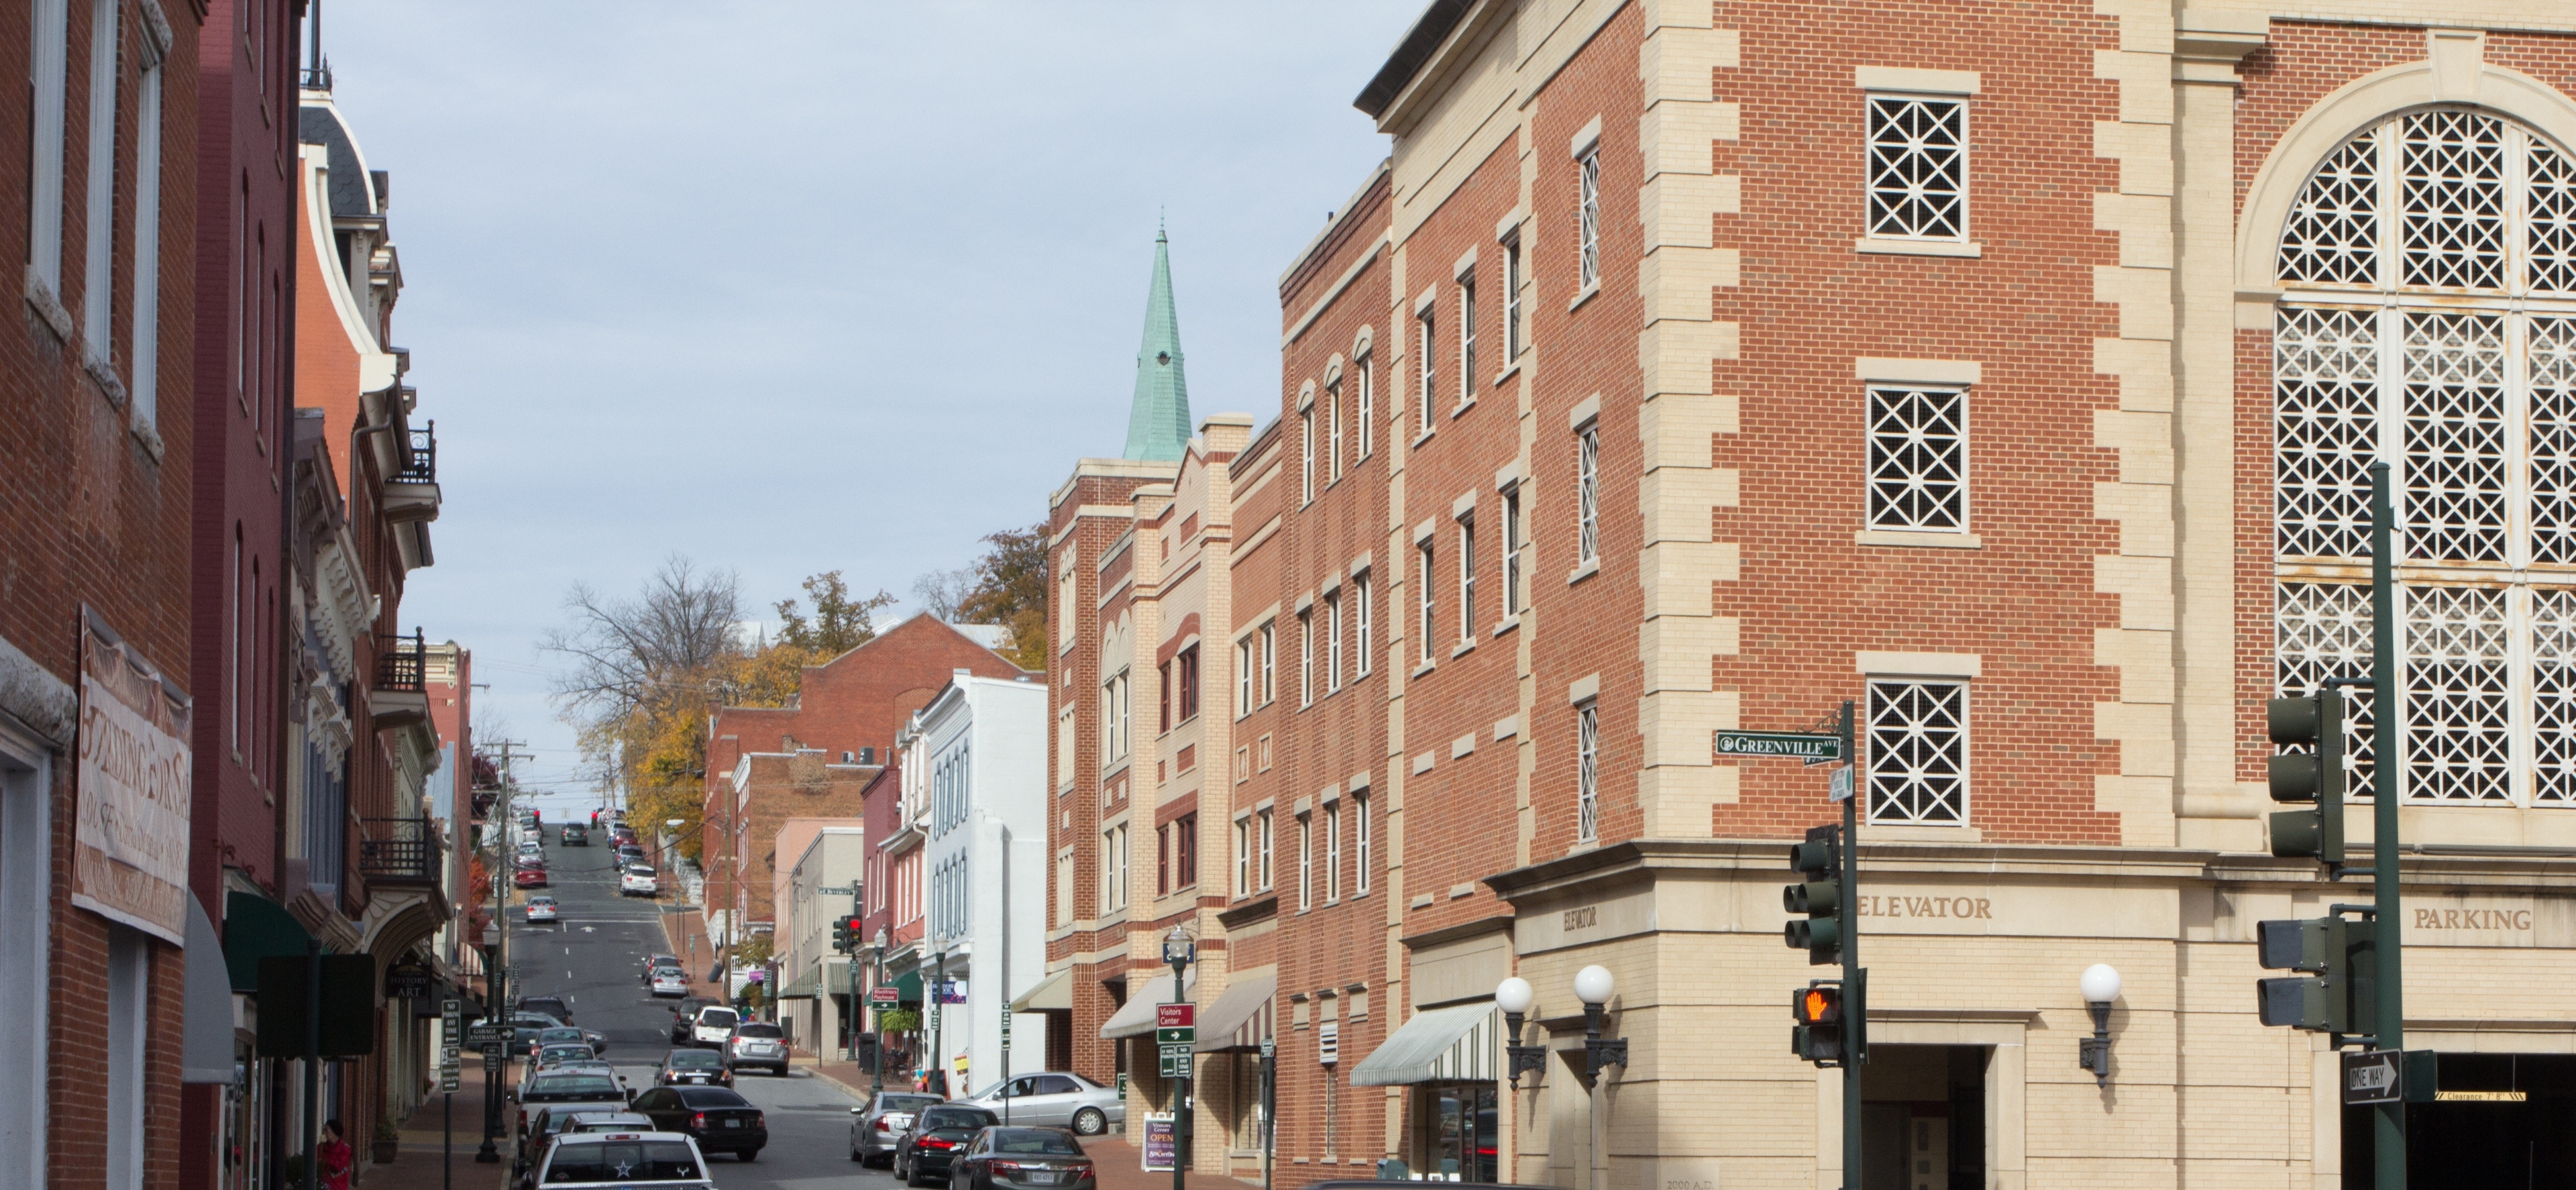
(49, 308)
(1919, 540)
(1462, 648)
(1585, 571)
(1873, 246)
(1427, 666)
(1508, 373)
(1509, 623)
(1424, 436)
(1460, 409)
(1909, 832)
(1584, 296)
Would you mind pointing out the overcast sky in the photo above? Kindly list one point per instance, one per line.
(799, 287)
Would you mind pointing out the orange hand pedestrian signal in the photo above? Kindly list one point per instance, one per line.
(1818, 1009)
(1813, 1005)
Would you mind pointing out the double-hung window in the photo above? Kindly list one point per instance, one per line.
(1512, 545)
(2428, 318)
(1305, 862)
(146, 337)
(1189, 665)
(1333, 643)
(1333, 431)
(1512, 334)
(1306, 455)
(1587, 772)
(1422, 580)
(1332, 853)
(1587, 493)
(1467, 578)
(1466, 336)
(1306, 658)
(1269, 662)
(98, 314)
(1918, 752)
(1364, 407)
(1423, 322)
(1247, 674)
(1363, 840)
(1588, 217)
(1918, 459)
(1262, 869)
(49, 72)
(1918, 168)
(1243, 857)
(1363, 625)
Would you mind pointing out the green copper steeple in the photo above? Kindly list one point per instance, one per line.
(1158, 423)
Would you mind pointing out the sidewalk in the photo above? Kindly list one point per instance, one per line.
(418, 1168)
(684, 925)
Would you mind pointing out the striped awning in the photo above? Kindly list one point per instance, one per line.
(1458, 1044)
(1240, 1019)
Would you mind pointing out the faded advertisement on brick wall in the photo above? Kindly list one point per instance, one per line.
(130, 838)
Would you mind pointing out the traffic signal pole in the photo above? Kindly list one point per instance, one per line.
(2388, 1127)
(1855, 980)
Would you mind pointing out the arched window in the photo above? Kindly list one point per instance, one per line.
(2428, 317)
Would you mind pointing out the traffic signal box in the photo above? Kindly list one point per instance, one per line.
(2313, 776)
(845, 933)
(2340, 957)
(1818, 1009)
(1818, 896)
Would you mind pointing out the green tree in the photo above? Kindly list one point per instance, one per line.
(1011, 590)
(839, 624)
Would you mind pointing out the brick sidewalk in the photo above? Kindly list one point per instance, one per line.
(419, 1168)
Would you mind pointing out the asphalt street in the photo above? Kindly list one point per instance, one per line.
(593, 957)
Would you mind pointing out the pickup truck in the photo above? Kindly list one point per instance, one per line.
(559, 1095)
(623, 1159)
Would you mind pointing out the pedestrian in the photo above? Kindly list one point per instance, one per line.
(337, 1161)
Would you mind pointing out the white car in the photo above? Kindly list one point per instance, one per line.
(757, 1044)
(639, 881)
(712, 1026)
(541, 909)
(669, 982)
(624, 1160)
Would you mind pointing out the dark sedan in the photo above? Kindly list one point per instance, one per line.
(719, 1119)
(1022, 1159)
(937, 1133)
(695, 1067)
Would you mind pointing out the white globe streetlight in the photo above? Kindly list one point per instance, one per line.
(1593, 985)
(2100, 985)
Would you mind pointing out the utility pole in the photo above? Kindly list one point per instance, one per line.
(495, 977)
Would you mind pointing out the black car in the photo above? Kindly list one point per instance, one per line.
(937, 1133)
(552, 1006)
(694, 1066)
(719, 1119)
(1021, 1158)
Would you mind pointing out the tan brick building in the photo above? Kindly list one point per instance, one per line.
(2007, 370)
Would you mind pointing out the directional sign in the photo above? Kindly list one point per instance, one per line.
(1176, 1036)
(488, 1035)
(2373, 1076)
(1841, 789)
(1006, 1022)
(1176, 1016)
(491, 1057)
(884, 995)
(1779, 745)
(447, 1079)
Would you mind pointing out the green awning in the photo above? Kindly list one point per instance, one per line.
(907, 986)
(257, 928)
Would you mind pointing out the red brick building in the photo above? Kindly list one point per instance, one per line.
(2009, 372)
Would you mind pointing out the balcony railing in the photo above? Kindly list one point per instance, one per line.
(404, 664)
(401, 850)
(420, 460)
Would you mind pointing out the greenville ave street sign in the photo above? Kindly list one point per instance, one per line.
(1782, 745)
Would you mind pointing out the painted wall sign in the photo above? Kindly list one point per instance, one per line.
(130, 840)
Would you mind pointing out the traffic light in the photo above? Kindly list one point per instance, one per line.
(845, 933)
(2316, 775)
(1819, 896)
(2340, 959)
(1818, 1009)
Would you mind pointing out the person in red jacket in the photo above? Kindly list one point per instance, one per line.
(337, 1161)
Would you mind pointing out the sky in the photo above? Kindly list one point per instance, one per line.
(795, 287)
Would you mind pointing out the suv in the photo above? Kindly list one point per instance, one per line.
(576, 835)
(713, 1025)
(758, 1044)
(623, 1159)
(684, 1017)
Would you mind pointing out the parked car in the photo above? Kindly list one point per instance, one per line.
(622, 1159)
(658, 960)
(639, 881)
(549, 1123)
(761, 1045)
(694, 1067)
(553, 1006)
(541, 909)
(1055, 1099)
(721, 1120)
(684, 1018)
(530, 878)
(937, 1133)
(1022, 1159)
(713, 1026)
(668, 981)
(568, 1091)
(547, 1056)
(608, 1121)
(575, 835)
(876, 1125)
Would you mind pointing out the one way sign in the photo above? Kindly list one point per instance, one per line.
(2373, 1076)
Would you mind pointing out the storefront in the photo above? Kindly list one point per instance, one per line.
(1449, 1061)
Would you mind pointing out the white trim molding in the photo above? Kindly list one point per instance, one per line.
(1917, 371)
(1916, 82)
(1586, 140)
(1917, 665)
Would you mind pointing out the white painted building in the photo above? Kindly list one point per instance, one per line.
(974, 777)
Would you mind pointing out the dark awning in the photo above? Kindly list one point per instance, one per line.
(257, 928)
(206, 1056)
(907, 986)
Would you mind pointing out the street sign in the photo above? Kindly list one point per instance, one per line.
(838, 890)
(1269, 1049)
(1006, 1023)
(1841, 789)
(1174, 1061)
(447, 1080)
(2373, 1076)
(1176, 1016)
(1780, 745)
(1176, 1036)
(488, 1035)
(491, 1057)
(884, 995)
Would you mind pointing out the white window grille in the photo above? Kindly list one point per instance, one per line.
(1306, 458)
(1587, 772)
(1466, 338)
(1467, 578)
(1363, 625)
(1918, 459)
(1364, 407)
(1427, 353)
(1422, 581)
(1588, 216)
(1363, 844)
(2458, 231)
(1587, 494)
(1918, 752)
(1332, 644)
(1918, 168)
(1512, 552)
(1512, 333)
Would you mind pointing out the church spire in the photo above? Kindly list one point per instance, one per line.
(1158, 422)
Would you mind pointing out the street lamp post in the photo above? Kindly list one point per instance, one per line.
(876, 968)
(1593, 985)
(1179, 951)
(2100, 985)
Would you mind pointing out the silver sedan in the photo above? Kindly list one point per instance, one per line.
(1055, 1099)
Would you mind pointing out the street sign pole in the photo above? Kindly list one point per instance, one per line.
(1855, 979)
(2388, 1130)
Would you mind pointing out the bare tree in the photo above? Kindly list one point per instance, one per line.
(629, 654)
(943, 592)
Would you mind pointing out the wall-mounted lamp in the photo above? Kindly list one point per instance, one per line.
(1593, 986)
(1514, 996)
(2100, 985)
